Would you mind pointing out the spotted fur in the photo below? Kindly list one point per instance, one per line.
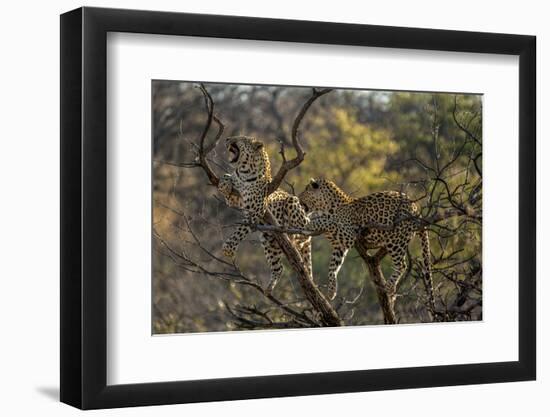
(342, 217)
(250, 178)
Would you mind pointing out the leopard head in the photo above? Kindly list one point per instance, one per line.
(321, 195)
(249, 158)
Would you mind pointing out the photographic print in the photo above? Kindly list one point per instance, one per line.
(290, 207)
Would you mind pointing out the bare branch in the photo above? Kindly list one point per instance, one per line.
(287, 165)
(462, 127)
(203, 151)
(287, 230)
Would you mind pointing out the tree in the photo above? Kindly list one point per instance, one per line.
(361, 149)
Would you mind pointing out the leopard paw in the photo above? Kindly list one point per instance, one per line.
(228, 251)
(225, 186)
(390, 288)
(268, 291)
(332, 290)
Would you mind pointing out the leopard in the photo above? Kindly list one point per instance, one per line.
(384, 219)
(246, 188)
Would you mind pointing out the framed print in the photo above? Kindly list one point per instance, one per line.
(257, 208)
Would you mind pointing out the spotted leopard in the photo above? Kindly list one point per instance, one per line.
(342, 217)
(250, 177)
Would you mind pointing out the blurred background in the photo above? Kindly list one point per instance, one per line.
(425, 144)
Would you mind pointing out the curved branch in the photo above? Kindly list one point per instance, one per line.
(221, 128)
(287, 165)
(204, 151)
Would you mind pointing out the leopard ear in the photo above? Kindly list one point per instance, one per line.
(258, 145)
(314, 183)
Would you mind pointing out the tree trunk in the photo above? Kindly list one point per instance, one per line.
(387, 302)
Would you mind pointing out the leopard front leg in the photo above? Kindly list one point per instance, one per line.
(229, 247)
(342, 241)
(226, 188)
(254, 208)
(336, 261)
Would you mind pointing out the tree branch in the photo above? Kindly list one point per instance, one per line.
(463, 128)
(287, 165)
(205, 150)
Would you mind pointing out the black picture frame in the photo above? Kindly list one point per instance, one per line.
(84, 207)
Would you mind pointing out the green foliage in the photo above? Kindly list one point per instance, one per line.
(350, 151)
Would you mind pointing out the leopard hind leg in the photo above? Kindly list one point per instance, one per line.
(397, 248)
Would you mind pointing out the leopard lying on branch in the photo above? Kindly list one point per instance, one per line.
(343, 218)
